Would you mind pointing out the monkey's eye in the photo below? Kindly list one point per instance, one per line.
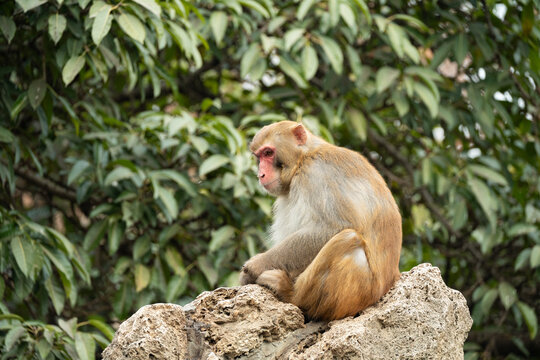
(268, 153)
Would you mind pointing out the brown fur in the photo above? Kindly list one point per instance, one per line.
(337, 227)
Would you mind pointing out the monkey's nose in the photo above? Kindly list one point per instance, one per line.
(261, 176)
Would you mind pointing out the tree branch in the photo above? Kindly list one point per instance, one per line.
(47, 184)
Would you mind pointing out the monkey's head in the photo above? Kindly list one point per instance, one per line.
(278, 148)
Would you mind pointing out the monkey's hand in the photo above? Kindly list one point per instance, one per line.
(253, 268)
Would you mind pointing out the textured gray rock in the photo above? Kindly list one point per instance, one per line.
(419, 318)
(156, 331)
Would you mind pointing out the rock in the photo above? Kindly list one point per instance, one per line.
(156, 331)
(240, 319)
(419, 318)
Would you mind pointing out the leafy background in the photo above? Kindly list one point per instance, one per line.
(126, 178)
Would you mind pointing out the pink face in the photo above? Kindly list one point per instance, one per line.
(267, 174)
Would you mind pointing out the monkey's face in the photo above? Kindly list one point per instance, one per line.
(278, 148)
(269, 172)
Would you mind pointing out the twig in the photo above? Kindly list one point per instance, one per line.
(47, 184)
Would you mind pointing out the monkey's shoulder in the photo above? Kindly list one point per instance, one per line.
(334, 160)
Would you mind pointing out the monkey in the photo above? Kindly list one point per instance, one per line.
(336, 231)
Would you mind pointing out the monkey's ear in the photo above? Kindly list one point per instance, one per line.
(300, 134)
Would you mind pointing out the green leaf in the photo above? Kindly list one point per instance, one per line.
(132, 26)
(63, 242)
(105, 329)
(507, 294)
(208, 270)
(141, 247)
(115, 235)
(530, 318)
(522, 259)
(291, 37)
(83, 3)
(291, 69)
(69, 326)
(255, 6)
(85, 346)
(6, 136)
(23, 251)
(59, 259)
(535, 256)
(150, 5)
(427, 98)
(57, 25)
(218, 24)
(257, 70)
(175, 287)
(174, 260)
(13, 336)
(200, 144)
(461, 47)
(333, 52)
(77, 169)
(400, 102)
(220, 237)
(333, 10)
(310, 62)
(212, 163)
(359, 123)
(424, 73)
(36, 92)
(167, 197)
(94, 235)
(385, 78)
(249, 59)
(11, 317)
(527, 18)
(44, 348)
(19, 105)
(56, 294)
(365, 10)
(119, 173)
(487, 300)
(178, 178)
(396, 36)
(411, 20)
(521, 229)
(73, 66)
(348, 15)
(485, 198)
(142, 277)
(30, 4)
(102, 22)
(304, 7)
(488, 174)
(8, 28)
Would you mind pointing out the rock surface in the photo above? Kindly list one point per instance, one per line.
(419, 318)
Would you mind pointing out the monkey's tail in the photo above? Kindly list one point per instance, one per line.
(340, 281)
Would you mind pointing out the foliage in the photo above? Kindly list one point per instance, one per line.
(125, 173)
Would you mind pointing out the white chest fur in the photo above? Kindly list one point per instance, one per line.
(327, 205)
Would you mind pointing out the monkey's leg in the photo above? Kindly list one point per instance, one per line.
(340, 281)
(279, 282)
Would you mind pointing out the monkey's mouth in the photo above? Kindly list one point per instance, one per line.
(268, 184)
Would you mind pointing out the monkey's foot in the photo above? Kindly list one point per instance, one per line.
(279, 282)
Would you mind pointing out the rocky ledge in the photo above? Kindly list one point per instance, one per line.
(419, 318)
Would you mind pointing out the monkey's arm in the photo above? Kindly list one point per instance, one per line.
(292, 254)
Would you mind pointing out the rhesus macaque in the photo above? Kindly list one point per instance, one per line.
(336, 235)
